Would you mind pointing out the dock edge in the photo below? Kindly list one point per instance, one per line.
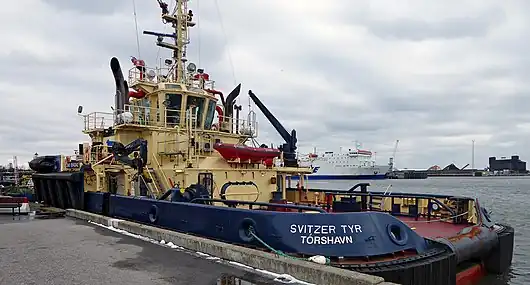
(302, 270)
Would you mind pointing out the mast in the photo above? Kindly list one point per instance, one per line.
(180, 20)
(181, 41)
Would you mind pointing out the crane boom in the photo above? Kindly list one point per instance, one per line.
(392, 158)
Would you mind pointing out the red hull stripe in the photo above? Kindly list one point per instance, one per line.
(471, 276)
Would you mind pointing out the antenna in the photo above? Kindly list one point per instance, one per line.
(181, 20)
(15, 169)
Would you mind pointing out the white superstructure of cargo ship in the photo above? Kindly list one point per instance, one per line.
(346, 164)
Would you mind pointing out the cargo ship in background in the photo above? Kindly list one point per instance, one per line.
(351, 164)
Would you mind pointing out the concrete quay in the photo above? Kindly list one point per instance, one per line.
(68, 251)
(301, 270)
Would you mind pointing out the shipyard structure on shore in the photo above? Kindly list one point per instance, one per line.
(504, 166)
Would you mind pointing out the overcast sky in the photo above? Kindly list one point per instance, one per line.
(433, 74)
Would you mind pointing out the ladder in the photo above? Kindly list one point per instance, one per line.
(156, 182)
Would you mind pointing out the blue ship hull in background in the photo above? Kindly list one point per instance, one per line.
(322, 177)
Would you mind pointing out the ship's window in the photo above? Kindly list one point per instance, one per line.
(145, 105)
(173, 86)
(195, 89)
(173, 103)
(146, 102)
(198, 104)
(209, 115)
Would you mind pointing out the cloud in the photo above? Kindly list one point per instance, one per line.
(433, 75)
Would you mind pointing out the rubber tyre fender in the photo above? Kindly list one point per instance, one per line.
(153, 214)
(397, 234)
(244, 234)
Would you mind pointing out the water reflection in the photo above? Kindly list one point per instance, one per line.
(499, 279)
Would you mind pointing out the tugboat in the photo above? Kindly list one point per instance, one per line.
(164, 158)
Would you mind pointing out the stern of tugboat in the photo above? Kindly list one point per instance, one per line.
(58, 182)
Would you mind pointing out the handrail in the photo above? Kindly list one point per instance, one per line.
(104, 159)
(167, 145)
(235, 202)
(147, 186)
(335, 193)
(363, 186)
(442, 205)
(138, 115)
(399, 195)
(147, 116)
(153, 181)
(161, 75)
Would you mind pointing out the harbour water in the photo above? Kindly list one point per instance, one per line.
(505, 197)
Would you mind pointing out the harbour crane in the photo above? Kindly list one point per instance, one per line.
(391, 159)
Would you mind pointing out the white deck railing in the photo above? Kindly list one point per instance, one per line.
(162, 75)
(142, 116)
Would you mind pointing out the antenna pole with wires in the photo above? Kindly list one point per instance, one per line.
(226, 42)
(136, 27)
(180, 19)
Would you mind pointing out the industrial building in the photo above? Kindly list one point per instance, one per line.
(513, 164)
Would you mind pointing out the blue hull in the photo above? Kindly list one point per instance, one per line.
(338, 234)
(348, 232)
(317, 177)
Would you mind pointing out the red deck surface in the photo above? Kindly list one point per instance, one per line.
(433, 229)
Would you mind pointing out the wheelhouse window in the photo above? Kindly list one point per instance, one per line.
(173, 103)
(210, 115)
(196, 104)
(144, 110)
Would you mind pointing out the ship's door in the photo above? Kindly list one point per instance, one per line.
(206, 180)
(112, 187)
(112, 183)
(279, 183)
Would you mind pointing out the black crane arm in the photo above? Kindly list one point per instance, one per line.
(289, 148)
(275, 123)
(121, 152)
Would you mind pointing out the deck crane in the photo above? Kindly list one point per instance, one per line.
(391, 159)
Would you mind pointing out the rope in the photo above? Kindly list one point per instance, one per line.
(136, 26)
(440, 220)
(226, 42)
(277, 252)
